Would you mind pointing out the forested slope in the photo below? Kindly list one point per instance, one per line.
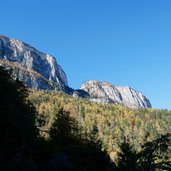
(105, 123)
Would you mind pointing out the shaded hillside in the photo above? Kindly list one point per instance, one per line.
(21, 147)
(77, 134)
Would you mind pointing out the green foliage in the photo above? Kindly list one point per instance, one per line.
(62, 127)
(127, 157)
(20, 148)
(77, 134)
(156, 154)
(153, 156)
(17, 121)
(104, 123)
(82, 153)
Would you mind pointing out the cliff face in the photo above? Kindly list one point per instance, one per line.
(36, 69)
(104, 92)
(41, 71)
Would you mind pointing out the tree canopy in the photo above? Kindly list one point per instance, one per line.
(17, 118)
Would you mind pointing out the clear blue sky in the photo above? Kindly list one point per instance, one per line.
(125, 42)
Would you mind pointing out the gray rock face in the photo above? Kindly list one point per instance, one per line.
(104, 92)
(35, 68)
(41, 71)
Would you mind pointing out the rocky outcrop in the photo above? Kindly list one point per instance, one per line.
(41, 71)
(36, 69)
(104, 92)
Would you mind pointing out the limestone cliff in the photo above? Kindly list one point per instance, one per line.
(104, 92)
(41, 71)
(36, 69)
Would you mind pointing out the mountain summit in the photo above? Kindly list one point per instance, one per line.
(104, 92)
(36, 69)
(41, 71)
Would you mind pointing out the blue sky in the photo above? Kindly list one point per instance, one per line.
(125, 42)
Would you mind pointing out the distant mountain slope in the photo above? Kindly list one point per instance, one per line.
(105, 92)
(36, 69)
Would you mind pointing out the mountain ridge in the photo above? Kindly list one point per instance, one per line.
(41, 71)
(105, 92)
(30, 58)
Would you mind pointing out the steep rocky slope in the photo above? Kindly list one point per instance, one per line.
(104, 92)
(41, 71)
(36, 69)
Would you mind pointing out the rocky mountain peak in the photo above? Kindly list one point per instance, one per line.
(105, 92)
(35, 68)
(41, 71)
